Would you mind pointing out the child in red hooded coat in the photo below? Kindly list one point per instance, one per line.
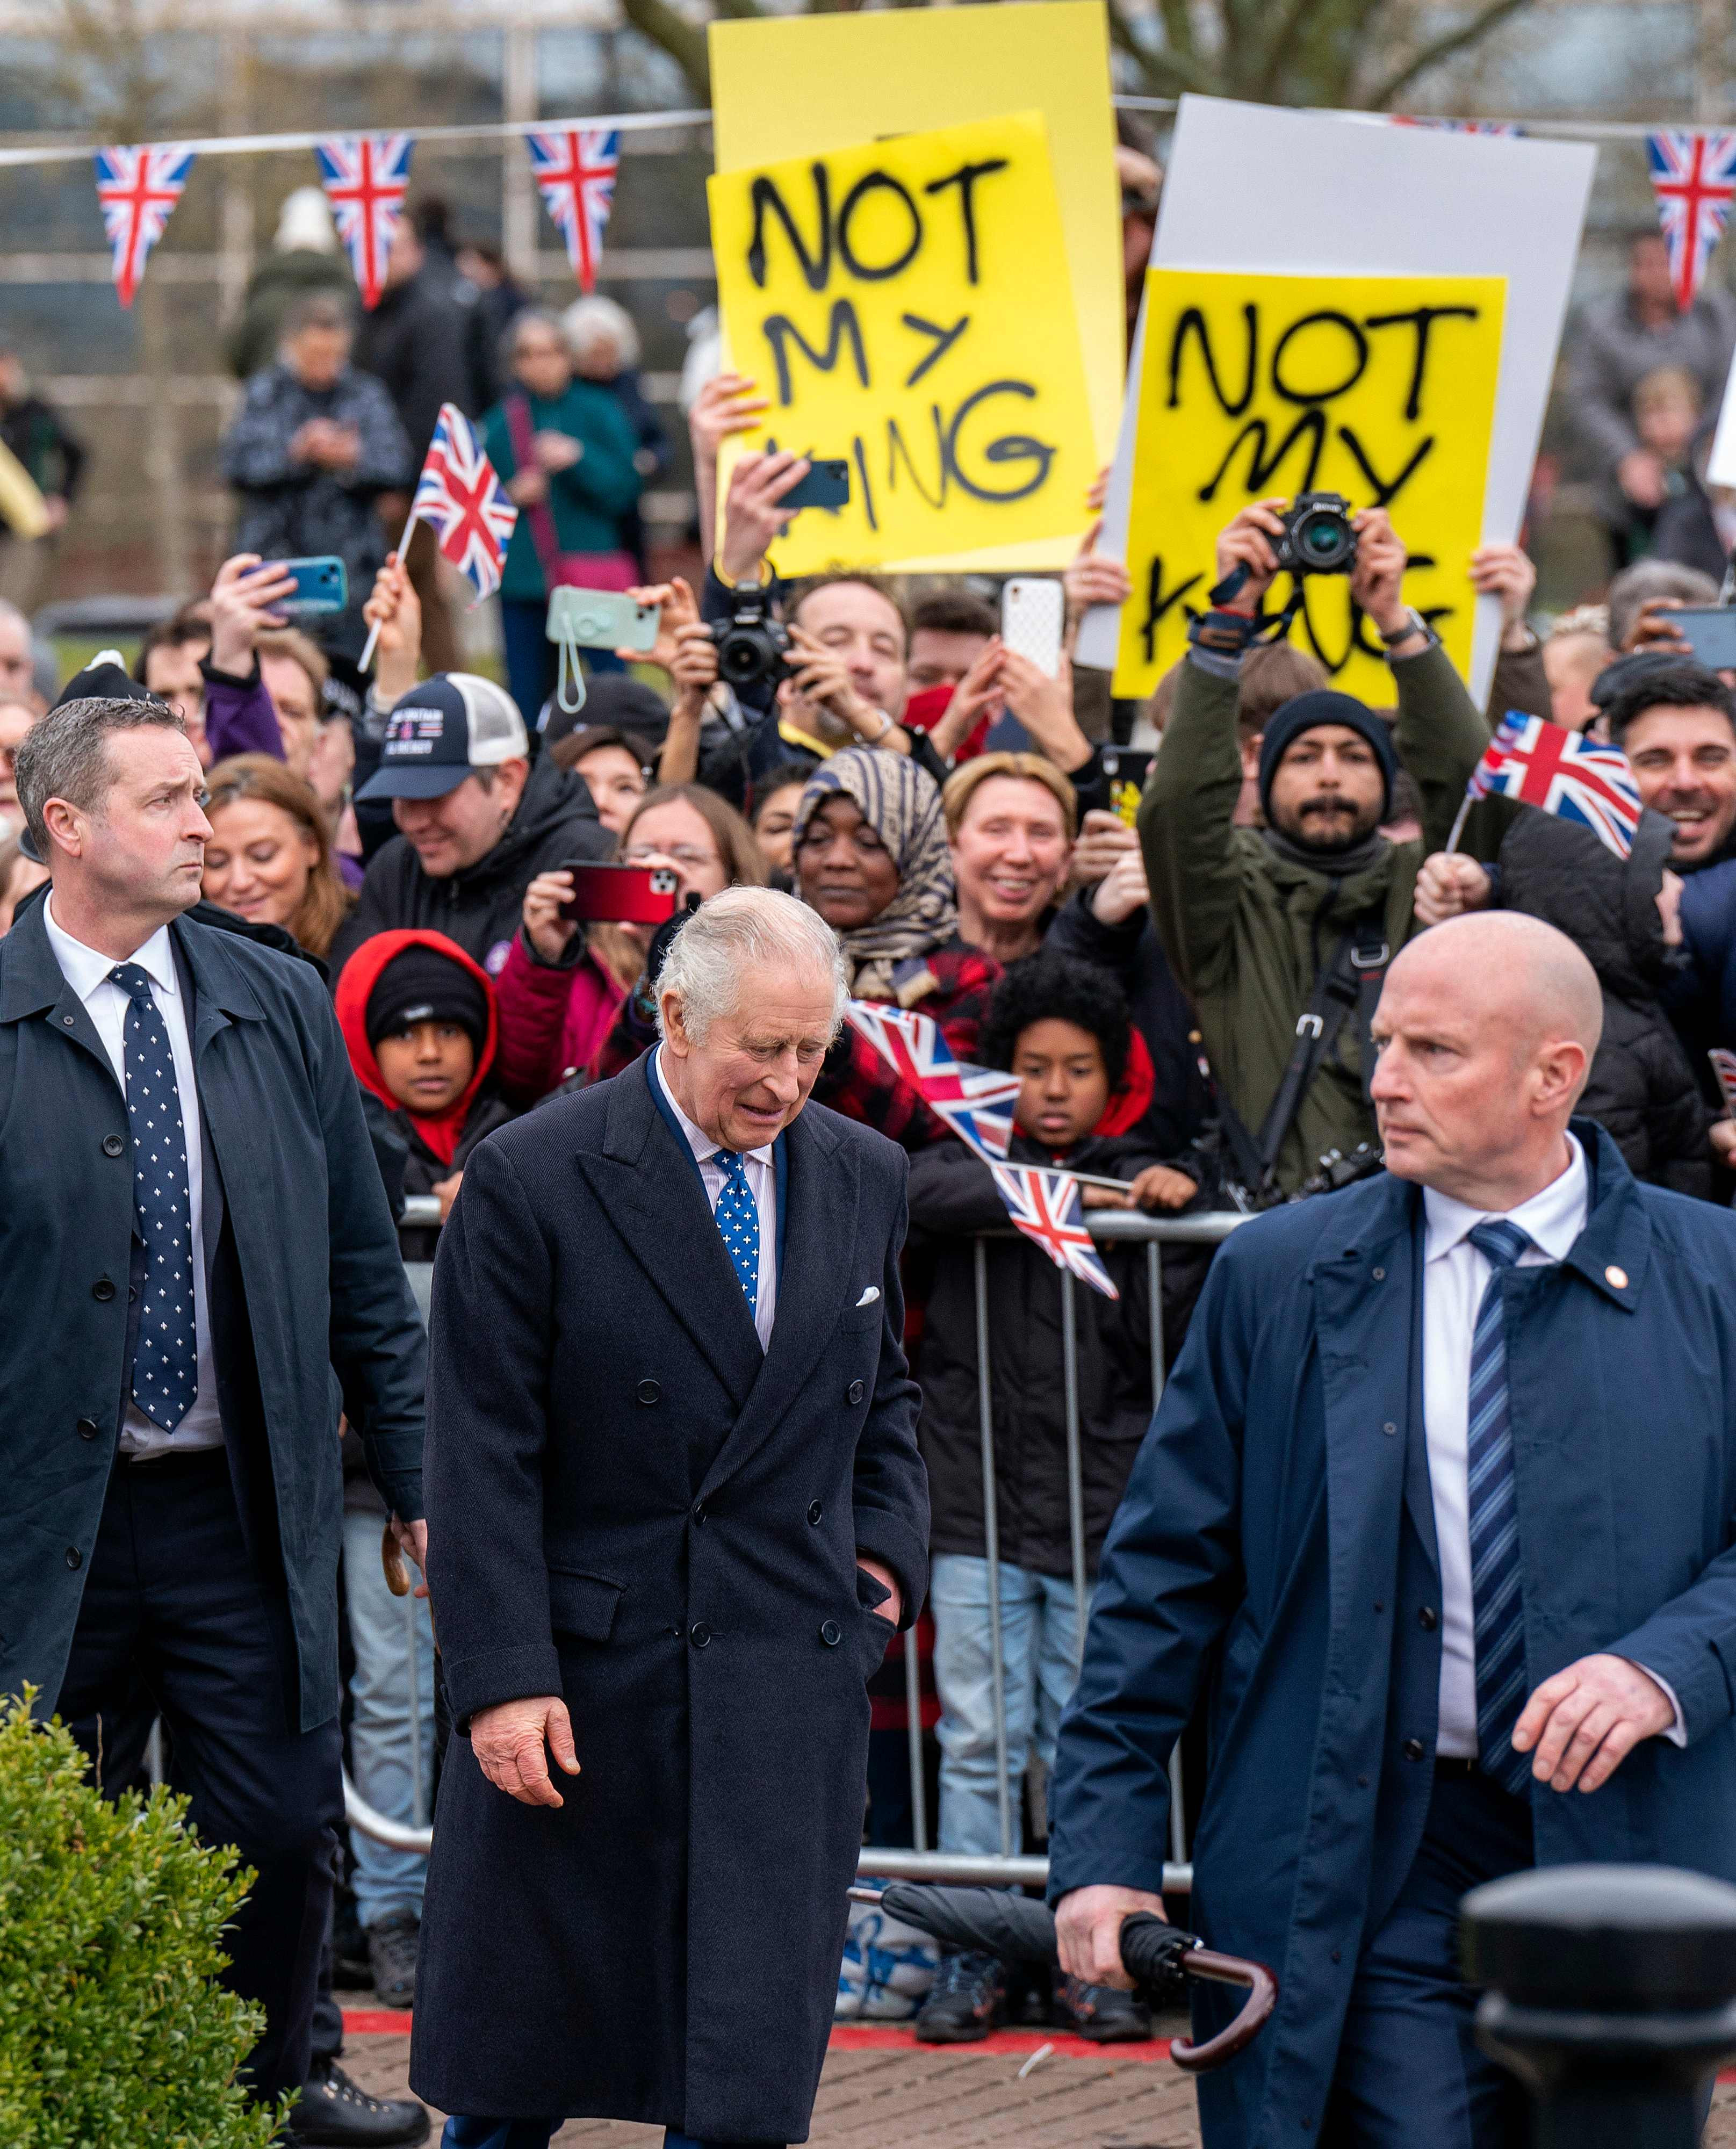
(419, 1020)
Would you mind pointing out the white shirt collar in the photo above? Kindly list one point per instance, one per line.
(703, 1147)
(84, 968)
(1551, 1220)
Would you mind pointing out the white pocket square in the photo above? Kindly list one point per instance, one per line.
(869, 1295)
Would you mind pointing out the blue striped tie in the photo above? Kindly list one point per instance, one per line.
(1496, 1595)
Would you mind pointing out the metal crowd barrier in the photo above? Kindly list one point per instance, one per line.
(924, 1862)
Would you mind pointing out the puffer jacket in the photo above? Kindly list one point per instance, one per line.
(1247, 931)
(1643, 1090)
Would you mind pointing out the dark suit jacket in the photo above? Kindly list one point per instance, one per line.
(634, 1506)
(310, 1311)
(1277, 1536)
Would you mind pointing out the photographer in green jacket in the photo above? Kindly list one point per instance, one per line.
(1282, 933)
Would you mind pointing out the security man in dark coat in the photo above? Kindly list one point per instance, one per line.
(1443, 1492)
(201, 1271)
(679, 1514)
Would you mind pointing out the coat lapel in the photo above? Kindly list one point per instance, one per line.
(651, 1193)
(32, 983)
(817, 1222)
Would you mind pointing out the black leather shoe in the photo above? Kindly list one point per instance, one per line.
(1099, 2012)
(967, 1999)
(332, 2113)
(392, 1958)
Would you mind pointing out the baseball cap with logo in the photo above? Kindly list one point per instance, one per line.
(442, 730)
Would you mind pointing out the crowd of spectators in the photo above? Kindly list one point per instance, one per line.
(1183, 999)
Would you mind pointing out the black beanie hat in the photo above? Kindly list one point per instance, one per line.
(422, 985)
(1324, 705)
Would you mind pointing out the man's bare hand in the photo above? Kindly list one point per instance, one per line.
(1093, 578)
(894, 1604)
(1585, 1721)
(1655, 632)
(1122, 891)
(1377, 579)
(509, 1740)
(242, 596)
(753, 519)
(412, 1540)
(1088, 1927)
(1506, 571)
(1104, 839)
(1448, 885)
(1248, 542)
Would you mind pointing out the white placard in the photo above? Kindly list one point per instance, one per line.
(1256, 189)
(1721, 463)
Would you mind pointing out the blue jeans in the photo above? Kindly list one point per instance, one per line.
(538, 2133)
(381, 1748)
(1039, 1642)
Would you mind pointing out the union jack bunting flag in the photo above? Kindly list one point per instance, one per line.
(1693, 177)
(1045, 1205)
(366, 178)
(136, 189)
(459, 497)
(975, 1102)
(1531, 759)
(575, 176)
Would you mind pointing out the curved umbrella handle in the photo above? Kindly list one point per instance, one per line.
(1262, 1989)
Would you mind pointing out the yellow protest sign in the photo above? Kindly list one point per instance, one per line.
(1380, 388)
(906, 306)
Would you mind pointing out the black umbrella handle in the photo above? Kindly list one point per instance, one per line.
(1152, 1951)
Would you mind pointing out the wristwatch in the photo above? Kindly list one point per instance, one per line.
(1415, 623)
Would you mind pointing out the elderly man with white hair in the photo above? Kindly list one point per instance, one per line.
(680, 1513)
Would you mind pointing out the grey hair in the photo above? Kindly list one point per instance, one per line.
(598, 320)
(1647, 579)
(66, 755)
(315, 310)
(530, 317)
(744, 928)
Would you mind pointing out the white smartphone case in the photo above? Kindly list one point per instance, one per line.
(1033, 610)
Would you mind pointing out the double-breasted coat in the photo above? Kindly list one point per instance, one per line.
(1278, 1527)
(633, 1506)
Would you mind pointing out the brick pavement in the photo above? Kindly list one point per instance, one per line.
(958, 2098)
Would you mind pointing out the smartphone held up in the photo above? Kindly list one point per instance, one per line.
(620, 895)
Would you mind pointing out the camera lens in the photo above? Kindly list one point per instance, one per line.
(1320, 536)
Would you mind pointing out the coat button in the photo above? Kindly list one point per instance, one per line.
(1413, 1749)
(101, 1291)
(74, 1558)
(814, 1511)
(1389, 1426)
(832, 1633)
(699, 1633)
(699, 1511)
(87, 1429)
(1428, 1618)
(856, 1392)
(113, 1146)
(648, 1391)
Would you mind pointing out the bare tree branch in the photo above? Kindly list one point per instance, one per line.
(1166, 74)
(683, 41)
(1443, 47)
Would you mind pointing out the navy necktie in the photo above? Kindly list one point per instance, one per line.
(1497, 1599)
(737, 1214)
(165, 1365)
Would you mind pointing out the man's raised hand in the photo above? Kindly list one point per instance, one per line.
(1249, 541)
(509, 1740)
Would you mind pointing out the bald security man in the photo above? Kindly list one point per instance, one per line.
(1439, 1507)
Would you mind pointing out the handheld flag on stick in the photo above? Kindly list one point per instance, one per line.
(1047, 1206)
(1693, 177)
(460, 498)
(575, 174)
(1538, 762)
(975, 1102)
(366, 178)
(1723, 1066)
(136, 189)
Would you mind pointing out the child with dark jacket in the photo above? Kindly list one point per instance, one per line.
(418, 1017)
(1064, 1028)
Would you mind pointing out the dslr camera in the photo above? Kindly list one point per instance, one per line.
(1318, 538)
(753, 646)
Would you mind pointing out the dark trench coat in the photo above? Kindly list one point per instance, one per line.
(1279, 1513)
(633, 1506)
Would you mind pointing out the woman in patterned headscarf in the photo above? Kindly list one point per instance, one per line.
(870, 853)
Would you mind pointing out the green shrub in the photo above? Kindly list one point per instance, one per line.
(113, 2032)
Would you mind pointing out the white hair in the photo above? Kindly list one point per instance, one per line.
(598, 320)
(741, 930)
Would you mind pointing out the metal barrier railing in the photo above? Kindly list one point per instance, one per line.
(924, 1861)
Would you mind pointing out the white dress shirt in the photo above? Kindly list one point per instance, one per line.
(1455, 1275)
(106, 1002)
(761, 1171)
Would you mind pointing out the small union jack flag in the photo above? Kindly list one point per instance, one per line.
(575, 172)
(1693, 177)
(366, 178)
(975, 1102)
(1530, 758)
(459, 496)
(1046, 1206)
(136, 189)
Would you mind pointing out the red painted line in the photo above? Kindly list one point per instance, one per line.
(892, 2037)
(377, 2022)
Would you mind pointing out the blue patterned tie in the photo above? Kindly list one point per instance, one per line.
(165, 1365)
(1496, 1595)
(737, 1214)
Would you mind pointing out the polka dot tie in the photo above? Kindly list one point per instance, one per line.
(165, 1365)
(737, 1214)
